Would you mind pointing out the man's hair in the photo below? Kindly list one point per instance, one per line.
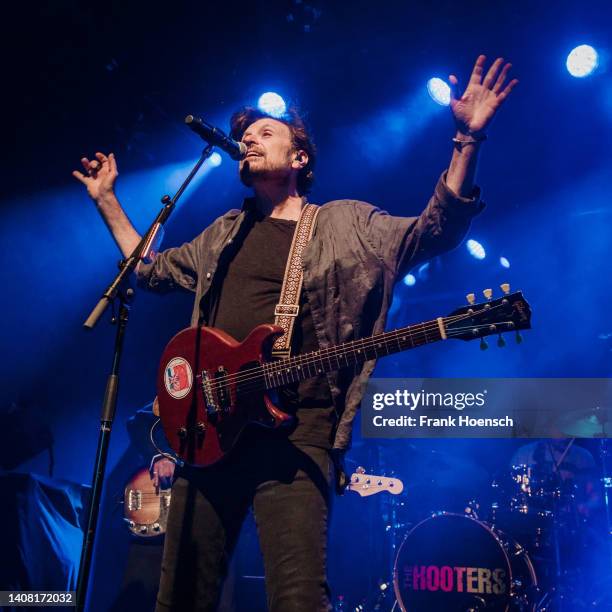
(302, 140)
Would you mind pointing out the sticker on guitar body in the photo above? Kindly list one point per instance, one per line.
(178, 377)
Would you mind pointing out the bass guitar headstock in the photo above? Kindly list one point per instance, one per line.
(369, 484)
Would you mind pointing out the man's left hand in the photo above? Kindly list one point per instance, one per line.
(475, 109)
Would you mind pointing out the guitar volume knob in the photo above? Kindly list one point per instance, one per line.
(181, 432)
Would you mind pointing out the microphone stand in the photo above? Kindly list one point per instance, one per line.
(109, 405)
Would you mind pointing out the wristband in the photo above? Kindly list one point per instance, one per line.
(460, 143)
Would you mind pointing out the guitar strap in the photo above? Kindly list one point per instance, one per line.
(288, 306)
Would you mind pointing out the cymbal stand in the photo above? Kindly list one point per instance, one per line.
(560, 589)
(605, 452)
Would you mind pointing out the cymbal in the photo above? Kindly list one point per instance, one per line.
(586, 423)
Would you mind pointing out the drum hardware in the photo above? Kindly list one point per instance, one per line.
(606, 479)
(472, 508)
(480, 605)
(530, 521)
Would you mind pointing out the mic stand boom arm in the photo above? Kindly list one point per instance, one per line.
(112, 386)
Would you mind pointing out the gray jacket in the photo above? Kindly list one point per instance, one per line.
(350, 267)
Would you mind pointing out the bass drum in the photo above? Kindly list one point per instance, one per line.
(455, 563)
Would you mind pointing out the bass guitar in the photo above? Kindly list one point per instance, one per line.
(145, 506)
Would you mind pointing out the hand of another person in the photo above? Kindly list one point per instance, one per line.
(162, 472)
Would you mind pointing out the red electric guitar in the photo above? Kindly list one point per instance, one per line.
(210, 387)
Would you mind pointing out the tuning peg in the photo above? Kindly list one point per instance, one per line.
(505, 287)
(501, 342)
(483, 344)
(488, 293)
(518, 337)
(471, 298)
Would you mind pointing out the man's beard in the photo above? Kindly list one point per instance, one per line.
(249, 175)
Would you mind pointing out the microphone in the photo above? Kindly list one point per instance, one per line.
(214, 136)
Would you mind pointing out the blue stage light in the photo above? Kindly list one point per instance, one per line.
(476, 249)
(439, 91)
(409, 280)
(272, 104)
(582, 61)
(215, 160)
(504, 262)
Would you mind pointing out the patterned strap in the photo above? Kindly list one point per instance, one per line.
(288, 307)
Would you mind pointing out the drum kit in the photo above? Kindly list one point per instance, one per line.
(520, 542)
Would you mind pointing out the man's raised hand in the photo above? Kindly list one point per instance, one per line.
(475, 109)
(100, 177)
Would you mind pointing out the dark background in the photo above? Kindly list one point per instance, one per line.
(120, 76)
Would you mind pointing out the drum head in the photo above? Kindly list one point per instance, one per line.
(453, 563)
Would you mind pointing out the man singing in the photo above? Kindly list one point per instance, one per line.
(236, 267)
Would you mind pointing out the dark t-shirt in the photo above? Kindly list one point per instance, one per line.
(249, 286)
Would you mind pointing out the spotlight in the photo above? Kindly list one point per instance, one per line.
(476, 249)
(409, 280)
(439, 91)
(582, 61)
(504, 262)
(215, 160)
(271, 104)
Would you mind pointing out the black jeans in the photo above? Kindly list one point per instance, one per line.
(290, 490)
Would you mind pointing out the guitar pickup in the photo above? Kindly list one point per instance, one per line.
(134, 500)
(217, 396)
(224, 398)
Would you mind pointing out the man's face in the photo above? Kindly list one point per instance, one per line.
(270, 152)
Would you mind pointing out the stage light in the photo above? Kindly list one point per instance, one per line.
(215, 160)
(439, 91)
(476, 249)
(409, 280)
(582, 61)
(272, 104)
(504, 262)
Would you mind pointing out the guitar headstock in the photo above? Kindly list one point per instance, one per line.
(368, 484)
(511, 312)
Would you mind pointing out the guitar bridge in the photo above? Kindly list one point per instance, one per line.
(212, 408)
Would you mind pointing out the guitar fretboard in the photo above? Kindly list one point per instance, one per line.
(348, 354)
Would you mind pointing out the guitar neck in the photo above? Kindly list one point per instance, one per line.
(355, 352)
